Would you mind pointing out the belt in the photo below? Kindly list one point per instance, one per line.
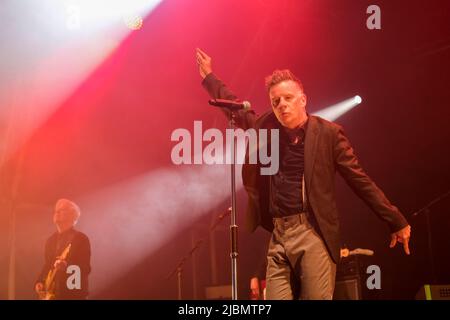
(295, 218)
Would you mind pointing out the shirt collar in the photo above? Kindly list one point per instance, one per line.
(296, 134)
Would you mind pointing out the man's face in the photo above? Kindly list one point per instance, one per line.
(64, 215)
(288, 103)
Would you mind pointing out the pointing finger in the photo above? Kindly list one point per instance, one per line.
(393, 241)
(406, 246)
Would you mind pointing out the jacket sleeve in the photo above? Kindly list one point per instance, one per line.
(349, 168)
(218, 90)
(82, 255)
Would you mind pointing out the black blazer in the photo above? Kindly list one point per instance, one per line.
(327, 150)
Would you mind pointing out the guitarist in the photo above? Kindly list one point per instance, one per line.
(65, 262)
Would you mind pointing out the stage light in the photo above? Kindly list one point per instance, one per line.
(75, 36)
(335, 111)
(91, 15)
(73, 17)
(133, 22)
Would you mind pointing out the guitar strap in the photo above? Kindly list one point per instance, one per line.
(62, 243)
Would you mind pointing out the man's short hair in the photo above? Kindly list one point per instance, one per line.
(75, 208)
(279, 76)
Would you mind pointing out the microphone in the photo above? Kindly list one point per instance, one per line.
(230, 104)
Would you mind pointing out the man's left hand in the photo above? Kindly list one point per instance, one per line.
(402, 236)
(60, 264)
(204, 63)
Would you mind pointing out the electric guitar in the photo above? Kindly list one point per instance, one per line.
(49, 283)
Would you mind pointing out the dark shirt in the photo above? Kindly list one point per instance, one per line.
(63, 239)
(286, 185)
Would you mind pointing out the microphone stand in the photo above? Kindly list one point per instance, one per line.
(179, 268)
(233, 107)
(233, 225)
(426, 211)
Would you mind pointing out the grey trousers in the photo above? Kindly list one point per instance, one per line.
(298, 263)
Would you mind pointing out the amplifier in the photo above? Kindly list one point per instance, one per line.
(348, 289)
(433, 292)
(218, 292)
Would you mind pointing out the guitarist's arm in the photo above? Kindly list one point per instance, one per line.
(39, 284)
(84, 256)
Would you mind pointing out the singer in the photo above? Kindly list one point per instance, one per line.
(298, 203)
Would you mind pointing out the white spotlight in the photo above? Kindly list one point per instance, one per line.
(335, 111)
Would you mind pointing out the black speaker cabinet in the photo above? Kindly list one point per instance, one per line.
(348, 289)
(348, 279)
(218, 292)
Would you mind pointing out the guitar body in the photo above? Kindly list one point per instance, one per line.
(49, 286)
(49, 282)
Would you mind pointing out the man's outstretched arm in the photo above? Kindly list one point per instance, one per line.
(348, 166)
(218, 90)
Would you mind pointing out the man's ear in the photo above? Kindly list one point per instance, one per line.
(303, 99)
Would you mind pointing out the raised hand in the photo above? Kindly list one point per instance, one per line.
(204, 63)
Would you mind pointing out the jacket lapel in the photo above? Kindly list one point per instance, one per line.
(312, 133)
